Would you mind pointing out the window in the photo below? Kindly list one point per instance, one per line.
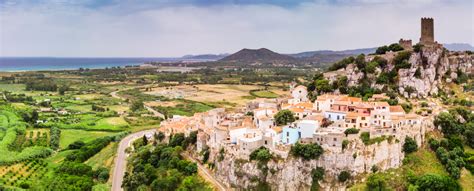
(299, 134)
(329, 115)
(338, 117)
(287, 134)
(335, 139)
(266, 142)
(363, 118)
(287, 140)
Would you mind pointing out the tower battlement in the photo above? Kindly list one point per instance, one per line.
(427, 31)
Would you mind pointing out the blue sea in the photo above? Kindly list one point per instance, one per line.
(11, 64)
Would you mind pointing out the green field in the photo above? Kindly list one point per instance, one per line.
(263, 94)
(12, 127)
(68, 136)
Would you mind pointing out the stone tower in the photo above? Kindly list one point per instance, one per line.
(427, 31)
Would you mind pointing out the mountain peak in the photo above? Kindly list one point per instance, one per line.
(261, 55)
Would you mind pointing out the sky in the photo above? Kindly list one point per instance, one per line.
(172, 28)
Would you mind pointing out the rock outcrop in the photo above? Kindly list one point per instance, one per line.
(429, 69)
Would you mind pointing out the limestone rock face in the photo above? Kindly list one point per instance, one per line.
(435, 65)
(295, 173)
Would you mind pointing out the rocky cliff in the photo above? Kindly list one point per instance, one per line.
(418, 74)
(295, 173)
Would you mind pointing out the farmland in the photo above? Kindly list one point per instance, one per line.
(48, 119)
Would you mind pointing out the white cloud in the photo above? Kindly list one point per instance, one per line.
(64, 29)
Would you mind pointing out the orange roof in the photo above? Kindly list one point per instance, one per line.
(396, 108)
(355, 115)
(412, 116)
(277, 129)
(315, 117)
(305, 104)
(351, 99)
(380, 103)
(328, 96)
(296, 110)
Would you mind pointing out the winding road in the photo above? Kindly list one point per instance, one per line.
(121, 159)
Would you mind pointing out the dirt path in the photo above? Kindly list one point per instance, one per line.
(121, 158)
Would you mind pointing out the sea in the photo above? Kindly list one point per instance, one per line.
(16, 64)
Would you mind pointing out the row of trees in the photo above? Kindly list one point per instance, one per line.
(55, 135)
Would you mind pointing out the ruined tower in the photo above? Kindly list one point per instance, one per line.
(427, 31)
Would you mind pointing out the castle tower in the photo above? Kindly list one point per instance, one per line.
(427, 31)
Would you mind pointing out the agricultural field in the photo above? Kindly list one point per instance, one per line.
(215, 93)
(63, 119)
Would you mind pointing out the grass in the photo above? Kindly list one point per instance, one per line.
(68, 136)
(80, 108)
(105, 158)
(185, 108)
(93, 122)
(418, 163)
(263, 94)
(16, 88)
(101, 187)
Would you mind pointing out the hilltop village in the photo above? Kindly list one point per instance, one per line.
(345, 127)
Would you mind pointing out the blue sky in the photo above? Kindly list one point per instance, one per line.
(164, 28)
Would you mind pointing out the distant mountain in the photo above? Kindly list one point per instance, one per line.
(261, 55)
(333, 52)
(459, 46)
(205, 56)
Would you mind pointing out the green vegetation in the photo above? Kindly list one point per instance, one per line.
(284, 117)
(15, 129)
(307, 151)
(344, 176)
(263, 94)
(351, 131)
(184, 108)
(262, 155)
(161, 167)
(317, 175)
(410, 145)
(392, 47)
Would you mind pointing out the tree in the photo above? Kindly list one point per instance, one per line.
(447, 123)
(344, 176)
(410, 145)
(262, 154)
(160, 136)
(284, 117)
(437, 182)
(323, 86)
(351, 131)
(376, 183)
(307, 151)
(137, 105)
(469, 134)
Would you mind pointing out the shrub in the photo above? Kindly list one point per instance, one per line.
(365, 137)
(410, 145)
(434, 144)
(307, 151)
(55, 135)
(284, 117)
(437, 182)
(344, 176)
(344, 144)
(376, 183)
(351, 131)
(262, 154)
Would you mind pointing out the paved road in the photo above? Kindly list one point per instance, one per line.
(121, 158)
(204, 172)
